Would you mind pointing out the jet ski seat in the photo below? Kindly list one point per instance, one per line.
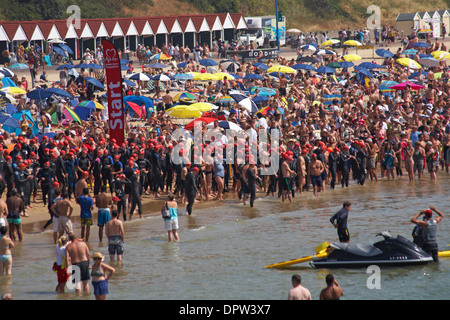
(359, 249)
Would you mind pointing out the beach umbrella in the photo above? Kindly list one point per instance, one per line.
(416, 74)
(351, 57)
(183, 76)
(443, 57)
(141, 100)
(264, 111)
(139, 76)
(203, 106)
(429, 62)
(402, 86)
(160, 56)
(10, 109)
(66, 65)
(302, 66)
(60, 51)
(206, 120)
(438, 53)
(410, 63)
(330, 42)
(69, 113)
(370, 65)
(18, 115)
(263, 91)
(409, 52)
(323, 52)
(353, 43)
(204, 77)
(91, 104)
(363, 71)
(161, 77)
(253, 76)
(309, 47)
(129, 83)
(65, 47)
(346, 64)
(293, 30)
(94, 66)
(85, 109)
(18, 66)
(280, 69)
(59, 92)
(259, 99)
(95, 82)
(230, 65)
(244, 101)
(277, 75)
(183, 112)
(73, 73)
(260, 65)
(39, 94)
(182, 65)
(421, 45)
(325, 70)
(6, 72)
(12, 123)
(308, 59)
(82, 66)
(334, 65)
(226, 125)
(222, 75)
(224, 99)
(136, 108)
(13, 90)
(384, 53)
(157, 65)
(207, 62)
(184, 95)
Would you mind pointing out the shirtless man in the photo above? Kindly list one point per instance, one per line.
(15, 205)
(298, 292)
(333, 291)
(81, 184)
(168, 100)
(372, 150)
(103, 202)
(63, 210)
(286, 173)
(315, 168)
(115, 233)
(78, 256)
(301, 175)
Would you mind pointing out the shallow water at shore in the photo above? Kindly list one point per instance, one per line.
(224, 247)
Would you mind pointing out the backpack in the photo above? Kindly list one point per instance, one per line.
(165, 213)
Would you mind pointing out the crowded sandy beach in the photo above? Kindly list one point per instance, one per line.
(344, 116)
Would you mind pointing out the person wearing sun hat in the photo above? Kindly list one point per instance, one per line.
(101, 272)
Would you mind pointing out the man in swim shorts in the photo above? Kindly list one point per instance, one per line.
(78, 256)
(115, 233)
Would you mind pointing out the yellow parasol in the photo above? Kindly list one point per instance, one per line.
(410, 63)
(222, 75)
(353, 43)
(205, 77)
(330, 42)
(280, 69)
(184, 112)
(13, 90)
(350, 58)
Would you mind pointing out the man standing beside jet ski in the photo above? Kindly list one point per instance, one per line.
(429, 231)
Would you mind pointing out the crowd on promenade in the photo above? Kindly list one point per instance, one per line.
(333, 128)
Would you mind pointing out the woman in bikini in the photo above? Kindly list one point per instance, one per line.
(101, 272)
(6, 244)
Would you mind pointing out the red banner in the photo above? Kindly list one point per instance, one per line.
(114, 92)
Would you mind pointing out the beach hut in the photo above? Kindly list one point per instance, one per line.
(405, 22)
(445, 20)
